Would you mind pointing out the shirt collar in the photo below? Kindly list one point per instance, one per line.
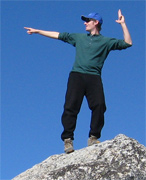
(89, 34)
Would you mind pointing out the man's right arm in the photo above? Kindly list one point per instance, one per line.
(50, 34)
(121, 21)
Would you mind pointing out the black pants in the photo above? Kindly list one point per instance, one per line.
(80, 85)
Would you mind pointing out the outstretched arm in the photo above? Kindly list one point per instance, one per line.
(50, 34)
(121, 20)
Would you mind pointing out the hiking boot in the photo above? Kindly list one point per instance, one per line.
(92, 140)
(68, 146)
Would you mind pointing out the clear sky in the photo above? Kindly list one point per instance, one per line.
(35, 71)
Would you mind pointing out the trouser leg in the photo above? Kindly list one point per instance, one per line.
(96, 102)
(73, 100)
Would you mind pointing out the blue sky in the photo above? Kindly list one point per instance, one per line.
(35, 70)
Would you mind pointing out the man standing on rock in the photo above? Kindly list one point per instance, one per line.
(85, 78)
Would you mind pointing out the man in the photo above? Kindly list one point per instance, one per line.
(85, 77)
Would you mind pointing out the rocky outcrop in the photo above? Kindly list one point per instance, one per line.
(121, 158)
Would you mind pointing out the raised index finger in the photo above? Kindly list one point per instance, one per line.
(26, 28)
(119, 13)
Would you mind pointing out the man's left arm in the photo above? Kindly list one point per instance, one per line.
(121, 20)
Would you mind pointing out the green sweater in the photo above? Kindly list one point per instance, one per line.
(91, 50)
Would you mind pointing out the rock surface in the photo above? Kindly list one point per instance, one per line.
(121, 158)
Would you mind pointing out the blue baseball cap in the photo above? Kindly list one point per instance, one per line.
(93, 15)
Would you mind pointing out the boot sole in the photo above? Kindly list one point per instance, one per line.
(70, 150)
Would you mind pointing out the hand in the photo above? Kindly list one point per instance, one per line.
(121, 17)
(31, 30)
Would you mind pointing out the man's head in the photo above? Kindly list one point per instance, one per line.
(92, 19)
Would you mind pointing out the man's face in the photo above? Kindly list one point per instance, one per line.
(90, 25)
